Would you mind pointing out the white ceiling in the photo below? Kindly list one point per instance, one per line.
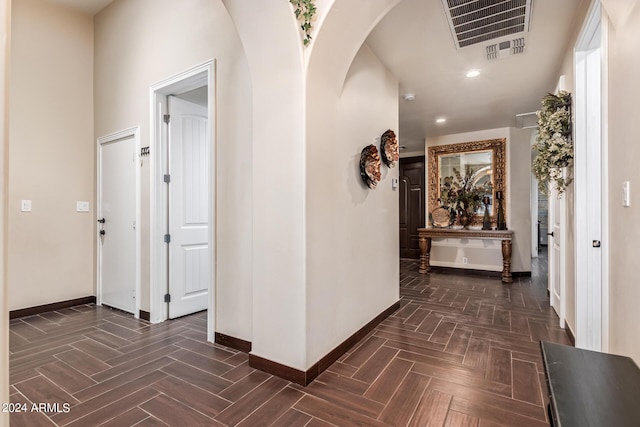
(87, 6)
(414, 41)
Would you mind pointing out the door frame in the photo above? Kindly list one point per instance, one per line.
(193, 78)
(592, 296)
(133, 132)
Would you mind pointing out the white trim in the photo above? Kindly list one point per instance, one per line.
(604, 52)
(592, 265)
(133, 132)
(198, 76)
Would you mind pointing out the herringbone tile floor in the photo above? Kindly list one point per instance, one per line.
(461, 351)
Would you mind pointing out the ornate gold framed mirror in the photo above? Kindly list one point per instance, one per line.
(461, 175)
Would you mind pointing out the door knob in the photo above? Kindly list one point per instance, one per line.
(102, 221)
(102, 232)
(550, 234)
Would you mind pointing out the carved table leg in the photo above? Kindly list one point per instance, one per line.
(425, 253)
(506, 262)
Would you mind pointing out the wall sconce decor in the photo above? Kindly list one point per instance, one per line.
(370, 166)
(389, 148)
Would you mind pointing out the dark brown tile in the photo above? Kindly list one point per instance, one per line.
(388, 381)
(115, 409)
(197, 377)
(405, 400)
(23, 416)
(66, 377)
(432, 410)
(458, 342)
(334, 413)
(370, 370)
(202, 362)
(81, 361)
(525, 382)
(273, 409)
(458, 419)
(97, 350)
(174, 413)
(292, 418)
(130, 418)
(248, 403)
(499, 366)
(41, 390)
(364, 351)
(204, 402)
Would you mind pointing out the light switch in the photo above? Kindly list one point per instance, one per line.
(25, 205)
(626, 194)
(82, 206)
(394, 183)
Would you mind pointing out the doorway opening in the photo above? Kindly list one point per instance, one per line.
(182, 190)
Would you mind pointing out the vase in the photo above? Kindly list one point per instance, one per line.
(465, 219)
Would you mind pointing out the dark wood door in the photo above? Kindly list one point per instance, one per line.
(412, 207)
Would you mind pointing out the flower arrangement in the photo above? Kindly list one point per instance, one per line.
(462, 195)
(553, 145)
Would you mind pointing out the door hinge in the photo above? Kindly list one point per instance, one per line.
(167, 297)
(167, 178)
(167, 238)
(166, 118)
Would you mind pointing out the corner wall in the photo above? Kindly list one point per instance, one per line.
(624, 152)
(486, 254)
(352, 231)
(5, 54)
(51, 155)
(142, 42)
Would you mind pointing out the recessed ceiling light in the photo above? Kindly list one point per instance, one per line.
(473, 73)
(409, 97)
(441, 120)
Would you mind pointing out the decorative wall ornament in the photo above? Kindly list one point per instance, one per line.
(389, 148)
(304, 11)
(370, 166)
(553, 145)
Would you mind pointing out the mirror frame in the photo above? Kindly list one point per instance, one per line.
(498, 160)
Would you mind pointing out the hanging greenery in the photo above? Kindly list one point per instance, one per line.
(304, 10)
(553, 145)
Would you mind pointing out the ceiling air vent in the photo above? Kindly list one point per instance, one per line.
(478, 21)
(506, 48)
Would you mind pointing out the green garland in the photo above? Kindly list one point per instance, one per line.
(304, 10)
(553, 145)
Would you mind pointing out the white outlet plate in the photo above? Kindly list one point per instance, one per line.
(25, 205)
(82, 206)
(465, 260)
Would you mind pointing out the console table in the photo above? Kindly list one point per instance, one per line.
(590, 389)
(426, 234)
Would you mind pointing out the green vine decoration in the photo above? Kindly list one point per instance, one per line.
(304, 10)
(553, 145)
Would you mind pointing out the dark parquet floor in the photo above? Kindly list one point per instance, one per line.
(461, 351)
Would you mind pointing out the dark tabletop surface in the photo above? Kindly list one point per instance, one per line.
(591, 389)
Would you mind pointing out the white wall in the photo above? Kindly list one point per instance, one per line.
(50, 250)
(487, 254)
(139, 43)
(352, 231)
(5, 49)
(624, 152)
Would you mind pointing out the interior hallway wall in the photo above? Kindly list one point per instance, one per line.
(624, 152)
(5, 49)
(352, 231)
(51, 155)
(140, 43)
(487, 254)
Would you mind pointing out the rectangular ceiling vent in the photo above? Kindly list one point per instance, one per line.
(477, 21)
(506, 48)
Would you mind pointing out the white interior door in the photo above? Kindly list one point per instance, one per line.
(189, 192)
(117, 234)
(555, 253)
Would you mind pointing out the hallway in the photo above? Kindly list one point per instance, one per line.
(462, 351)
